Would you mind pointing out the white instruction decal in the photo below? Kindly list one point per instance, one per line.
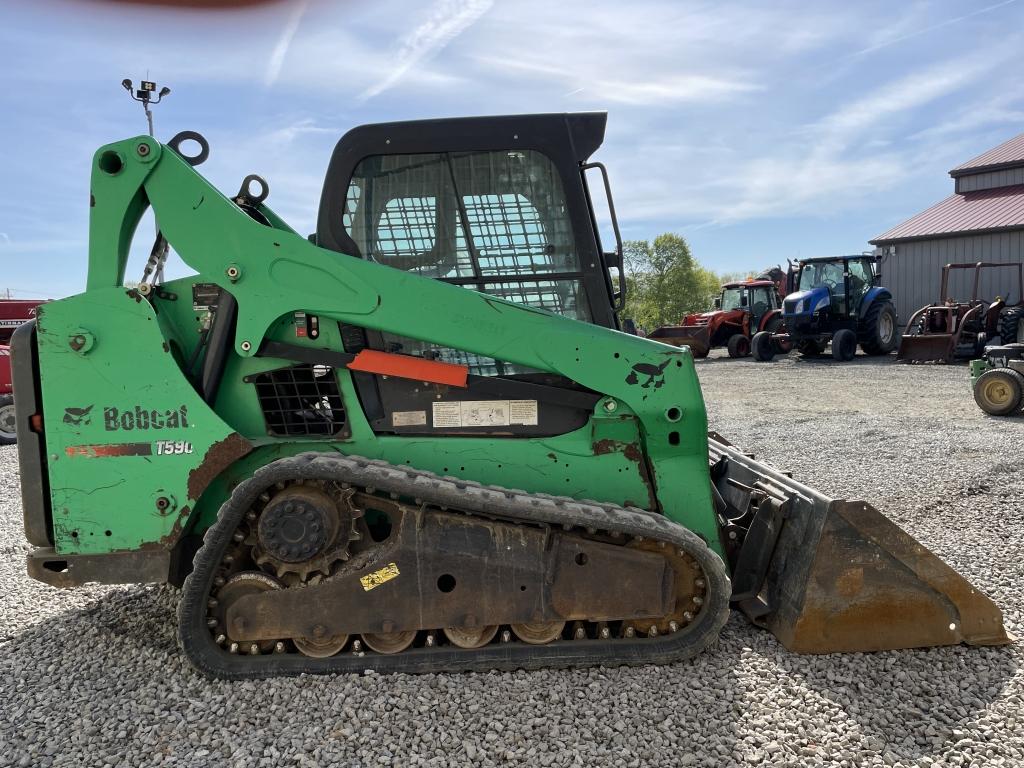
(485, 413)
(408, 418)
(447, 415)
(523, 412)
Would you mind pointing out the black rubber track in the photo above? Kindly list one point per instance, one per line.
(455, 495)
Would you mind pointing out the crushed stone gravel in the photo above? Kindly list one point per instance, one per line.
(93, 677)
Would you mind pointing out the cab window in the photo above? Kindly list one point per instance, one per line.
(732, 298)
(860, 279)
(761, 301)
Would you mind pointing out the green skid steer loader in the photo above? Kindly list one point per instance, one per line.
(416, 441)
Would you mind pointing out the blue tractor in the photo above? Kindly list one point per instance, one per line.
(836, 299)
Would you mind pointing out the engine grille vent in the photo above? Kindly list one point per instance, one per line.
(301, 400)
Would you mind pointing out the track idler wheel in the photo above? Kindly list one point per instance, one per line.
(238, 586)
(691, 592)
(465, 637)
(389, 642)
(320, 648)
(539, 632)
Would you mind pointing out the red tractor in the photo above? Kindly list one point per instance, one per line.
(13, 312)
(743, 308)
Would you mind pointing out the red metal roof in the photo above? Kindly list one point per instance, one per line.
(1008, 153)
(986, 209)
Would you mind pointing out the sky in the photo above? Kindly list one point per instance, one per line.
(759, 131)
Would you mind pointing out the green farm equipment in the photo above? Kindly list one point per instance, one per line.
(416, 441)
(998, 379)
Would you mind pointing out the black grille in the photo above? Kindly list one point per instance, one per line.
(301, 400)
(791, 306)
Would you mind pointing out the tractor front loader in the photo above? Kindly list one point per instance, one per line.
(743, 308)
(954, 330)
(419, 442)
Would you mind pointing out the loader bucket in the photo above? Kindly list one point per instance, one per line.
(827, 576)
(926, 347)
(696, 337)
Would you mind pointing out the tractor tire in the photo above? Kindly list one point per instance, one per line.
(844, 345)
(761, 347)
(810, 348)
(1011, 325)
(776, 326)
(877, 332)
(999, 391)
(739, 345)
(8, 421)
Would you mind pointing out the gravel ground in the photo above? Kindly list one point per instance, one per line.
(93, 676)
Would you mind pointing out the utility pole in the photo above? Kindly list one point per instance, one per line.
(144, 95)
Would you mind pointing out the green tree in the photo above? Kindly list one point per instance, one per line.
(664, 282)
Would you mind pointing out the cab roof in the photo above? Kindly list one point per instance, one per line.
(817, 259)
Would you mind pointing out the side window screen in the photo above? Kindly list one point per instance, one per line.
(462, 215)
(508, 234)
(407, 227)
(401, 211)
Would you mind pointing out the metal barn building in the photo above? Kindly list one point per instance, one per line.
(982, 221)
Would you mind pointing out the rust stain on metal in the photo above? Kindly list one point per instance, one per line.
(871, 586)
(221, 455)
(171, 537)
(851, 582)
(633, 453)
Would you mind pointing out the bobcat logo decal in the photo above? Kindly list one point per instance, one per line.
(655, 375)
(78, 417)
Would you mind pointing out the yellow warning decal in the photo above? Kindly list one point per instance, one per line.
(375, 579)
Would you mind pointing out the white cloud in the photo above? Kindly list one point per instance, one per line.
(908, 29)
(647, 89)
(908, 93)
(973, 117)
(446, 21)
(277, 56)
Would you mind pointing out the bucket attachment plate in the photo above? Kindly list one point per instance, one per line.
(696, 337)
(926, 347)
(840, 576)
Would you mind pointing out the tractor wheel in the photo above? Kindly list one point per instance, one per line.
(844, 344)
(739, 345)
(8, 421)
(999, 391)
(761, 346)
(878, 329)
(1011, 325)
(776, 326)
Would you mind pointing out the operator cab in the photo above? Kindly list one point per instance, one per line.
(500, 205)
(758, 298)
(847, 278)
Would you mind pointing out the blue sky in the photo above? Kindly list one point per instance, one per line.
(760, 131)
